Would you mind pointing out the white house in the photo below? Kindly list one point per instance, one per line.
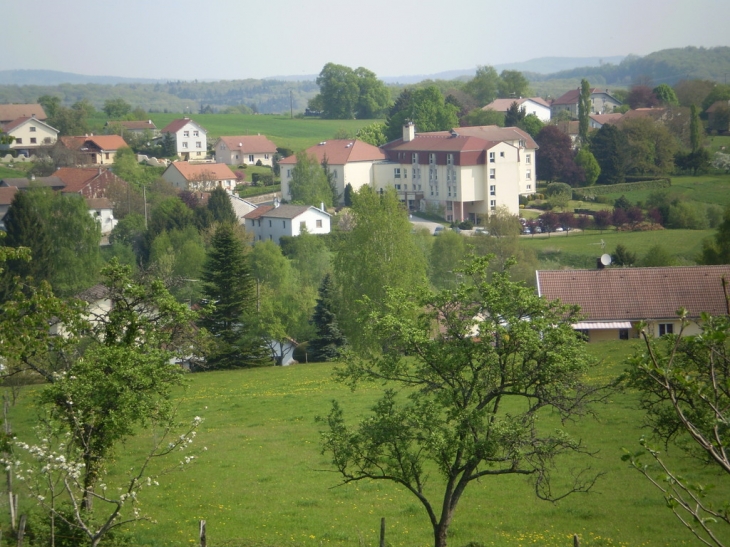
(465, 173)
(241, 207)
(245, 149)
(199, 176)
(532, 105)
(274, 221)
(349, 161)
(102, 210)
(29, 134)
(190, 138)
(602, 102)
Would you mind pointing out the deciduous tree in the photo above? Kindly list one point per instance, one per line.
(309, 184)
(484, 87)
(610, 147)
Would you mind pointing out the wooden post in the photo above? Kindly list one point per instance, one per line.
(21, 530)
(203, 540)
(12, 512)
(382, 532)
(576, 541)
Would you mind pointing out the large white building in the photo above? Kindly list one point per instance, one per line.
(274, 221)
(465, 173)
(190, 139)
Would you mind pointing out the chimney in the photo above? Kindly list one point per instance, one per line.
(409, 131)
(276, 202)
(321, 206)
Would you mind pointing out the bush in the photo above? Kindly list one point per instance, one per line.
(466, 225)
(259, 164)
(644, 184)
(262, 179)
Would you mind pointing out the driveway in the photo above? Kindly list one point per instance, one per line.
(419, 223)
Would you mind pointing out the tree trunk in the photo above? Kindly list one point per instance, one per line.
(440, 532)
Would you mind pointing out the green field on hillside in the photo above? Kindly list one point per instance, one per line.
(709, 189)
(263, 481)
(580, 249)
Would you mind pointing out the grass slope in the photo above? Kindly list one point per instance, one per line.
(263, 481)
(708, 189)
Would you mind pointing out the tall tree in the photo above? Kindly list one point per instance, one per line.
(220, 207)
(117, 109)
(514, 115)
(696, 133)
(462, 405)
(372, 134)
(513, 84)
(587, 161)
(309, 184)
(718, 251)
(329, 341)
(584, 110)
(447, 252)
(666, 95)
(554, 153)
(374, 97)
(651, 147)
(230, 288)
(484, 87)
(610, 146)
(339, 91)
(426, 108)
(478, 116)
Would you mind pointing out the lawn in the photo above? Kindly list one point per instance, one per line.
(709, 189)
(580, 249)
(263, 481)
(10, 173)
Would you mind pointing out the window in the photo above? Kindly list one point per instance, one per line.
(405, 173)
(19, 141)
(32, 129)
(334, 174)
(433, 174)
(432, 159)
(528, 175)
(319, 223)
(269, 224)
(529, 186)
(492, 190)
(623, 334)
(397, 186)
(396, 173)
(431, 187)
(198, 144)
(186, 133)
(449, 159)
(236, 156)
(491, 157)
(185, 145)
(284, 223)
(106, 156)
(303, 225)
(528, 158)
(492, 174)
(666, 328)
(33, 141)
(250, 158)
(493, 203)
(196, 134)
(266, 156)
(501, 154)
(414, 158)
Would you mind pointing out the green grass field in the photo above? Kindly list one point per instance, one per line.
(580, 249)
(263, 481)
(709, 189)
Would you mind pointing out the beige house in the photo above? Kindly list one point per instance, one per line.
(191, 141)
(29, 134)
(614, 300)
(602, 102)
(531, 105)
(199, 176)
(95, 149)
(245, 149)
(349, 162)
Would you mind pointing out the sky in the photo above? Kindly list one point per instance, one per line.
(237, 39)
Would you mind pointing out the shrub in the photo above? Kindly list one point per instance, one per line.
(466, 225)
(259, 164)
(262, 179)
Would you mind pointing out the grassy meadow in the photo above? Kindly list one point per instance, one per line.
(263, 482)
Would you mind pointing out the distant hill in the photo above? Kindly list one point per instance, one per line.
(55, 77)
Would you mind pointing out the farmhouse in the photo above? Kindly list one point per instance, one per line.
(467, 172)
(246, 149)
(615, 300)
(274, 221)
(199, 176)
(94, 149)
(102, 210)
(29, 134)
(10, 112)
(136, 128)
(90, 182)
(190, 139)
(533, 105)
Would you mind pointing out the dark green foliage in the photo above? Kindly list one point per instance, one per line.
(718, 251)
(666, 95)
(262, 179)
(220, 207)
(657, 256)
(584, 110)
(554, 154)
(426, 108)
(610, 146)
(512, 83)
(532, 124)
(330, 340)
(309, 184)
(348, 195)
(514, 115)
(623, 257)
(622, 203)
(347, 93)
(484, 87)
(168, 146)
(230, 290)
(117, 109)
(696, 131)
(693, 163)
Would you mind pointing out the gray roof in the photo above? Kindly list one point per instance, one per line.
(53, 182)
(290, 211)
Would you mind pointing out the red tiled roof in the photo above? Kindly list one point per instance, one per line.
(103, 142)
(250, 144)
(78, 178)
(7, 194)
(9, 112)
(260, 211)
(199, 171)
(20, 121)
(176, 125)
(653, 113)
(498, 134)
(442, 141)
(634, 294)
(341, 152)
(606, 118)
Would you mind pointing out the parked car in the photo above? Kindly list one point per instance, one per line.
(559, 229)
(526, 230)
(538, 230)
(481, 231)
(438, 230)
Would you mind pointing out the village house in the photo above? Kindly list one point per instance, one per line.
(532, 105)
(102, 210)
(7, 194)
(135, 128)
(348, 161)
(271, 222)
(10, 112)
(28, 135)
(614, 300)
(200, 176)
(52, 182)
(94, 149)
(245, 149)
(602, 102)
(90, 182)
(190, 139)
(466, 173)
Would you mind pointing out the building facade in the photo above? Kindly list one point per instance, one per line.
(191, 141)
(245, 150)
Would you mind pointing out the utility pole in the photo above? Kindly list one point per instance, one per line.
(291, 103)
(144, 196)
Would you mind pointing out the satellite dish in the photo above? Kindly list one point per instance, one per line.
(606, 259)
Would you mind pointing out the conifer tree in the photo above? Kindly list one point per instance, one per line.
(330, 339)
(584, 110)
(219, 205)
(230, 289)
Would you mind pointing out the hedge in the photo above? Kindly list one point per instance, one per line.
(251, 191)
(652, 184)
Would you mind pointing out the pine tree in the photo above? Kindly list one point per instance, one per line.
(230, 288)
(219, 205)
(330, 339)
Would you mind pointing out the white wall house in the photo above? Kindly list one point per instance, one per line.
(102, 210)
(271, 222)
(465, 173)
(532, 105)
(602, 102)
(199, 176)
(349, 161)
(29, 134)
(245, 149)
(190, 139)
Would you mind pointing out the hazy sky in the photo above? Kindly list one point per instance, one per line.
(235, 39)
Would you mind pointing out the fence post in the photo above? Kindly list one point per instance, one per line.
(576, 541)
(21, 530)
(382, 532)
(203, 540)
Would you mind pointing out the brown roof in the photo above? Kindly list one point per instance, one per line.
(20, 121)
(258, 212)
(250, 144)
(502, 105)
(634, 294)
(653, 113)
(572, 96)
(134, 125)
(200, 171)
(341, 152)
(9, 112)
(7, 194)
(607, 118)
(442, 141)
(99, 203)
(498, 134)
(103, 142)
(717, 104)
(22, 183)
(176, 125)
(78, 178)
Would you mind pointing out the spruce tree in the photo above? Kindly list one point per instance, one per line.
(330, 339)
(584, 110)
(219, 205)
(230, 289)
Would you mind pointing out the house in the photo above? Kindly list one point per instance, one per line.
(10, 112)
(657, 114)
(246, 149)
(190, 138)
(274, 221)
(29, 134)
(348, 161)
(94, 149)
(718, 116)
(614, 300)
(90, 182)
(596, 121)
(102, 210)
(199, 176)
(570, 128)
(52, 182)
(602, 102)
(7, 194)
(532, 105)
(241, 207)
(466, 173)
(136, 128)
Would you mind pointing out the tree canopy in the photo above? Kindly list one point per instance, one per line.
(309, 184)
(426, 108)
(346, 93)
